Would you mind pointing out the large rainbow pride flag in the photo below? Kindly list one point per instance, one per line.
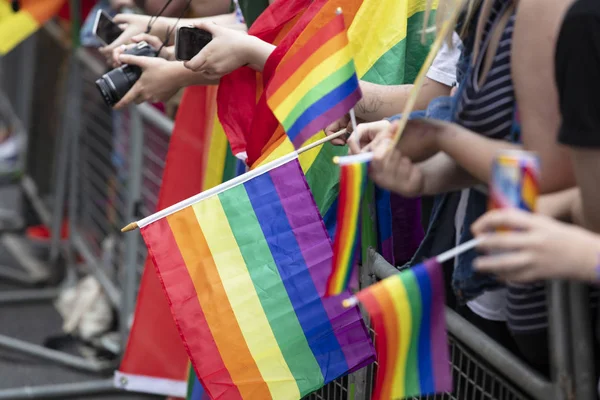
(244, 266)
(18, 26)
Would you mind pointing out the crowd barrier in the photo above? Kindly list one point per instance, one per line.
(106, 170)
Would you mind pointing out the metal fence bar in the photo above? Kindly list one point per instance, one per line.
(59, 391)
(558, 339)
(582, 342)
(136, 149)
(512, 368)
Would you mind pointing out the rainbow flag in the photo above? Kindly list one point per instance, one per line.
(18, 26)
(317, 85)
(353, 178)
(244, 268)
(407, 313)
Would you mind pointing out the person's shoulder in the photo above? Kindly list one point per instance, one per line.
(583, 10)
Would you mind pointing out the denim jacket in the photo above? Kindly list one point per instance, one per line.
(466, 282)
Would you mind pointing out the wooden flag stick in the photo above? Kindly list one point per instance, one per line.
(444, 31)
(240, 179)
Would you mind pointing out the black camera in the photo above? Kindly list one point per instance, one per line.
(114, 84)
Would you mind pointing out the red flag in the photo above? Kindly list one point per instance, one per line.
(240, 90)
(155, 359)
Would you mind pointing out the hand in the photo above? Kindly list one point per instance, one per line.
(366, 133)
(419, 140)
(227, 51)
(537, 248)
(391, 170)
(342, 123)
(167, 52)
(158, 82)
(132, 25)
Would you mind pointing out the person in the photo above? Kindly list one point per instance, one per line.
(230, 49)
(577, 65)
(437, 157)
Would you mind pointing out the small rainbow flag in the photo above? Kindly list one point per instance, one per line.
(353, 178)
(317, 85)
(407, 312)
(18, 26)
(244, 268)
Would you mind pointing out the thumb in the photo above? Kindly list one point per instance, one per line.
(150, 39)
(123, 18)
(210, 27)
(142, 62)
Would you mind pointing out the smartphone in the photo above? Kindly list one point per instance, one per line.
(189, 41)
(105, 28)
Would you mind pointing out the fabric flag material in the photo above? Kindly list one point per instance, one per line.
(240, 90)
(155, 360)
(18, 26)
(353, 178)
(407, 312)
(244, 271)
(316, 86)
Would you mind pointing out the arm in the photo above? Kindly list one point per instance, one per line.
(207, 8)
(536, 29)
(561, 205)
(442, 174)
(382, 101)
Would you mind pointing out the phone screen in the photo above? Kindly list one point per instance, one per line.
(106, 29)
(190, 41)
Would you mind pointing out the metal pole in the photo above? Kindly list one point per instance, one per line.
(134, 183)
(59, 391)
(54, 355)
(558, 340)
(33, 295)
(27, 70)
(582, 342)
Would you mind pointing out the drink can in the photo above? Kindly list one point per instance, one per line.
(515, 180)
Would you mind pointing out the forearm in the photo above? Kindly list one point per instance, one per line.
(207, 8)
(382, 101)
(473, 152)
(442, 174)
(185, 77)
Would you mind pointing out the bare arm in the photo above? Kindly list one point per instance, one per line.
(442, 174)
(381, 101)
(472, 151)
(535, 33)
(207, 8)
(586, 163)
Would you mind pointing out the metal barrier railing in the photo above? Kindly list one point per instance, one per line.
(108, 168)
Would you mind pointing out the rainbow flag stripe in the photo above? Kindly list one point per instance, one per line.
(353, 178)
(244, 271)
(317, 85)
(18, 26)
(407, 312)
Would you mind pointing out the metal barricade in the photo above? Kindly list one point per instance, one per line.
(107, 171)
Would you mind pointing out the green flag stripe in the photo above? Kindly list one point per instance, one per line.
(273, 297)
(412, 385)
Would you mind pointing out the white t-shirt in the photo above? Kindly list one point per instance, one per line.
(443, 68)
(490, 305)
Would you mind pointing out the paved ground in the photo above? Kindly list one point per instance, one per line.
(33, 322)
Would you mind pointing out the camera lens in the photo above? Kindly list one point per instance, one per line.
(114, 84)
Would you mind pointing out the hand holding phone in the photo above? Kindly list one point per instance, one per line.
(105, 29)
(189, 41)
